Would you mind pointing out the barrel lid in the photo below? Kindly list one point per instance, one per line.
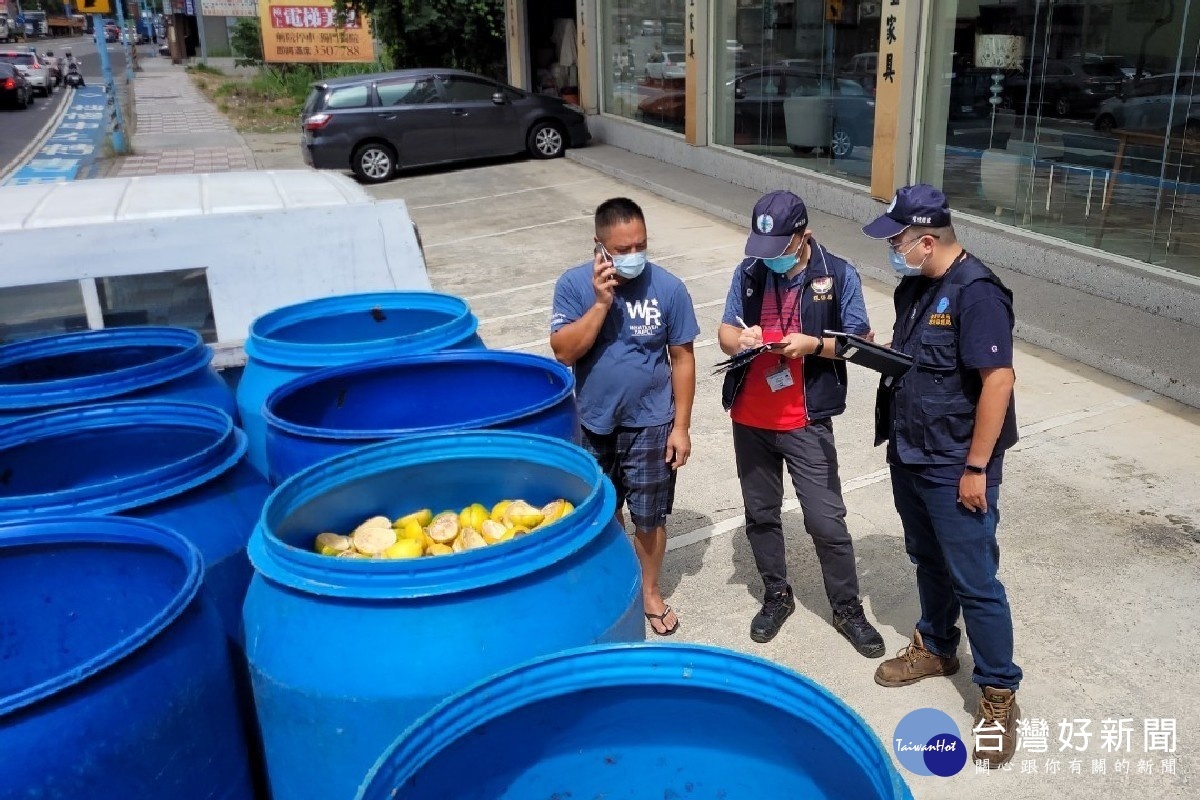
(189, 353)
(220, 448)
(691, 669)
(303, 570)
(115, 533)
(265, 344)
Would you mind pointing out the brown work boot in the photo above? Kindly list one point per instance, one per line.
(995, 728)
(914, 663)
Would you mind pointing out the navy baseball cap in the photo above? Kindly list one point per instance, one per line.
(777, 217)
(921, 205)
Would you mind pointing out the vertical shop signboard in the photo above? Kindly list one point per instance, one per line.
(887, 97)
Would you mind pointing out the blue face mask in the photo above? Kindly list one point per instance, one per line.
(630, 265)
(780, 265)
(900, 264)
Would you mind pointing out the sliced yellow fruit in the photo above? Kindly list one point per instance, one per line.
(521, 514)
(444, 528)
(518, 531)
(555, 510)
(439, 550)
(472, 539)
(330, 544)
(473, 516)
(494, 531)
(351, 554)
(372, 541)
(405, 548)
(458, 546)
(422, 518)
(498, 510)
(411, 530)
(376, 522)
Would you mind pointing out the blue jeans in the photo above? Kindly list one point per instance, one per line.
(957, 559)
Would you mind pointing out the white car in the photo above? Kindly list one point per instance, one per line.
(666, 66)
(35, 71)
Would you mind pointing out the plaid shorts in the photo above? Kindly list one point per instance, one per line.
(635, 460)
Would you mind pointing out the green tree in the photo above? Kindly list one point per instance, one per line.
(246, 41)
(463, 34)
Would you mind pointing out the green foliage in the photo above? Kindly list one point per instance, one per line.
(246, 41)
(464, 34)
(205, 68)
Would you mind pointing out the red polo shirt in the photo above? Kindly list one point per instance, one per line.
(756, 405)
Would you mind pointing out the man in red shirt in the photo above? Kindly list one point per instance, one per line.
(788, 291)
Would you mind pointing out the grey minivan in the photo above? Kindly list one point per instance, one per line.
(376, 124)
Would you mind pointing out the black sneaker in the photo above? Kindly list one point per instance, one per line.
(852, 624)
(777, 607)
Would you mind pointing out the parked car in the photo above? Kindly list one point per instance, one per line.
(112, 33)
(15, 91)
(664, 106)
(51, 63)
(35, 71)
(666, 66)
(1151, 104)
(1066, 87)
(375, 124)
(758, 102)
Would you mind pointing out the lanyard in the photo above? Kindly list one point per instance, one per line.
(779, 306)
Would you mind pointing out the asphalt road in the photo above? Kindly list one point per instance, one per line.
(19, 128)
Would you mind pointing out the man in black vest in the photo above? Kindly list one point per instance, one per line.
(948, 422)
(788, 291)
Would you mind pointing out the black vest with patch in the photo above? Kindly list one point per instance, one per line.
(935, 400)
(824, 378)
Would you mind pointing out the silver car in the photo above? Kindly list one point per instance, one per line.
(37, 73)
(1151, 103)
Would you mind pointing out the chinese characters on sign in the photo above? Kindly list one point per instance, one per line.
(307, 31)
(230, 8)
(1114, 737)
(889, 71)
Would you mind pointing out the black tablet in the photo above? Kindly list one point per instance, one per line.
(858, 350)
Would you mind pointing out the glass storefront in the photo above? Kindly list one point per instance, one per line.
(1095, 133)
(795, 81)
(643, 72)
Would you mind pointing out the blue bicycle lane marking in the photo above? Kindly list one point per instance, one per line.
(75, 143)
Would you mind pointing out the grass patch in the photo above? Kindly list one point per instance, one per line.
(270, 100)
(205, 69)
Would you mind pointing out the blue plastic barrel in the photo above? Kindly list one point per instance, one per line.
(108, 365)
(344, 654)
(179, 464)
(115, 681)
(338, 409)
(639, 721)
(294, 340)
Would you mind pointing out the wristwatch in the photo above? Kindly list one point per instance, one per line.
(976, 470)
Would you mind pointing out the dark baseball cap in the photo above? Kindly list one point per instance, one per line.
(920, 204)
(777, 217)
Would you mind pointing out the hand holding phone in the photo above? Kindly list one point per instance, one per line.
(604, 277)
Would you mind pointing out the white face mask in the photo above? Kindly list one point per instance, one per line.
(630, 265)
(900, 263)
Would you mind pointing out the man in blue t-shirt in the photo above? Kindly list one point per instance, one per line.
(626, 326)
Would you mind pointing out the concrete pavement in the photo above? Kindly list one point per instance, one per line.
(1100, 532)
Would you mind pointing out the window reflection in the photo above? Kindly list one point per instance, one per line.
(1095, 137)
(796, 82)
(646, 75)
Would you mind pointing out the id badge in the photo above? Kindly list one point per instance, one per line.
(780, 377)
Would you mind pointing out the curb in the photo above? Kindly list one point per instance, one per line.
(36, 143)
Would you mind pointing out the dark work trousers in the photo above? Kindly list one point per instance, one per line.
(811, 460)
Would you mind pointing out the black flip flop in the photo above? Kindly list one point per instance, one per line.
(663, 619)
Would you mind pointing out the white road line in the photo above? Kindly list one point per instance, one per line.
(1031, 431)
(506, 232)
(506, 194)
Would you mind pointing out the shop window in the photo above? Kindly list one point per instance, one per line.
(795, 81)
(1081, 122)
(646, 74)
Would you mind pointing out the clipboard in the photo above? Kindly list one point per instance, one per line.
(858, 350)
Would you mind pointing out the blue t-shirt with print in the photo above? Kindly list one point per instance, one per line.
(624, 381)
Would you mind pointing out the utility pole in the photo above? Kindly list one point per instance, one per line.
(119, 145)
